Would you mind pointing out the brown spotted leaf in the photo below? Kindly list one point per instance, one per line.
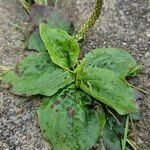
(117, 60)
(107, 87)
(69, 120)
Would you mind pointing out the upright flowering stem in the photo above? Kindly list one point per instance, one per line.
(90, 21)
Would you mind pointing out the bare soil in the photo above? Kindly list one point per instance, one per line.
(122, 24)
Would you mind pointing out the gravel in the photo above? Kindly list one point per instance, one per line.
(122, 24)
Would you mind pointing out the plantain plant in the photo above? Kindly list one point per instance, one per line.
(78, 95)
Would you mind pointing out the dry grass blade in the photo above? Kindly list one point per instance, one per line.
(113, 116)
(141, 90)
(25, 5)
(5, 68)
(133, 145)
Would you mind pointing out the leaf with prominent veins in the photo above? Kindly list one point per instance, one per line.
(117, 60)
(63, 49)
(39, 75)
(70, 120)
(105, 86)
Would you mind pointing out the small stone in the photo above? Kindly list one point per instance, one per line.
(124, 43)
(141, 134)
(139, 141)
(148, 34)
(7, 87)
(24, 137)
(147, 54)
(18, 110)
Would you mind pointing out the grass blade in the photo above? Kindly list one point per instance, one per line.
(125, 134)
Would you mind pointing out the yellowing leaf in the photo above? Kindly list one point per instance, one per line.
(68, 123)
(105, 86)
(63, 49)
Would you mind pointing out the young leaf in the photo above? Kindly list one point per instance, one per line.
(38, 76)
(63, 49)
(105, 86)
(68, 123)
(114, 59)
(35, 42)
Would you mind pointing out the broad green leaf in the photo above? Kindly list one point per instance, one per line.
(35, 42)
(68, 123)
(63, 49)
(38, 76)
(114, 59)
(9, 77)
(53, 17)
(113, 132)
(105, 86)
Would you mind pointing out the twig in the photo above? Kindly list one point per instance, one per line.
(114, 116)
(141, 90)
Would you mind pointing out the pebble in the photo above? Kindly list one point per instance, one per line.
(139, 140)
(147, 54)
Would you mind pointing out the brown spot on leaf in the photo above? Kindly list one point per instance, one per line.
(70, 112)
(52, 106)
(68, 108)
(56, 110)
(57, 102)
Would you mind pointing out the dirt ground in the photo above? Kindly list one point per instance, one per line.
(122, 24)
